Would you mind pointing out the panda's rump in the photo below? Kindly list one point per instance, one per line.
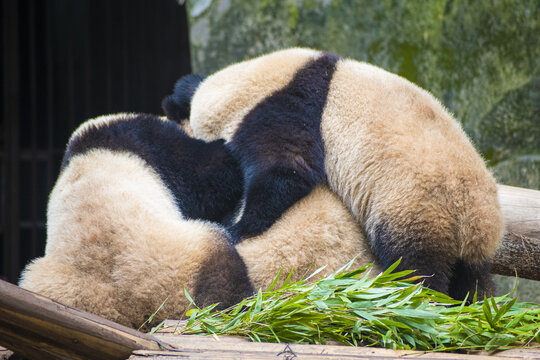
(400, 161)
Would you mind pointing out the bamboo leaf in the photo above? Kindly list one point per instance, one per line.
(383, 310)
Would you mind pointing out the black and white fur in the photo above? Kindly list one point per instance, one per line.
(128, 226)
(299, 118)
(129, 222)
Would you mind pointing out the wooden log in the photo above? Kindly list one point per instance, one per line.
(230, 347)
(39, 328)
(521, 210)
(518, 255)
(520, 250)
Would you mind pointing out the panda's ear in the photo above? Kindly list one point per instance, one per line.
(177, 105)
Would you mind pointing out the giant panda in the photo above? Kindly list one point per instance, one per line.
(298, 118)
(135, 215)
(133, 201)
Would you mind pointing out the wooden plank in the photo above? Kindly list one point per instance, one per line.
(228, 347)
(520, 249)
(39, 328)
(521, 353)
(5, 353)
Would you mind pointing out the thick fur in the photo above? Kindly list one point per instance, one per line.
(187, 165)
(317, 231)
(297, 118)
(177, 105)
(118, 244)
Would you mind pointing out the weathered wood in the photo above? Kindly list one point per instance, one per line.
(518, 255)
(521, 210)
(520, 250)
(5, 353)
(228, 347)
(40, 328)
(533, 353)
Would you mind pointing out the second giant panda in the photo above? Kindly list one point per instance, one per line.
(126, 222)
(128, 226)
(298, 118)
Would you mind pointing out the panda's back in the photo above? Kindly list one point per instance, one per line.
(222, 100)
(396, 155)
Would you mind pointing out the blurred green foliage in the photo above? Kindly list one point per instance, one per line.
(479, 57)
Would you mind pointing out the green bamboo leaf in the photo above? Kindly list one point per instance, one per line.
(415, 313)
(186, 294)
(287, 280)
(493, 304)
(276, 279)
(321, 305)
(347, 310)
(392, 323)
(391, 267)
(487, 313)
(315, 273)
(409, 294)
(365, 315)
(535, 337)
(503, 310)
(361, 305)
(410, 340)
(157, 328)
(343, 271)
(258, 304)
(500, 340)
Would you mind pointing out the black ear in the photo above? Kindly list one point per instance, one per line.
(177, 105)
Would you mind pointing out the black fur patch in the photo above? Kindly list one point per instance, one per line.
(443, 272)
(470, 277)
(177, 105)
(417, 252)
(222, 278)
(204, 178)
(280, 147)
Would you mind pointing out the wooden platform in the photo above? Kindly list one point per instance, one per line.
(229, 347)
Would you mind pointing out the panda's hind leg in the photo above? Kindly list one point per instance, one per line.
(471, 278)
(428, 256)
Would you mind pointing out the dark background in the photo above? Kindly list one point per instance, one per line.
(64, 61)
